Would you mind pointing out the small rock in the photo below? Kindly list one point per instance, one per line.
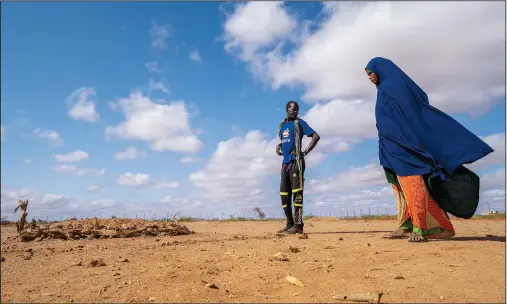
(398, 277)
(29, 250)
(157, 240)
(2, 259)
(125, 260)
(303, 236)
(103, 289)
(280, 257)
(152, 299)
(97, 263)
(294, 249)
(46, 294)
(340, 239)
(295, 281)
(329, 247)
(212, 286)
(442, 298)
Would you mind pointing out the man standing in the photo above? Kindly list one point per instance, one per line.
(291, 131)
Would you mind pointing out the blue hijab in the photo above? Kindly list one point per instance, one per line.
(416, 138)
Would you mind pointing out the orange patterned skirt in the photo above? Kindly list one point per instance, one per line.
(417, 211)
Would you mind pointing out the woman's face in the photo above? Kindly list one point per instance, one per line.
(372, 76)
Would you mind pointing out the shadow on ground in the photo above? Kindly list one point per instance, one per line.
(346, 232)
(491, 238)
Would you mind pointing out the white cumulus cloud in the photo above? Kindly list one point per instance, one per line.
(458, 59)
(164, 127)
(130, 153)
(51, 136)
(131, 179)
(255, 25)
(354, 178)
(82, 105)
(72, 157)
(238, 169)
(497, 142)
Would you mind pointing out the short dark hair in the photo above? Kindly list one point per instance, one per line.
(288, 104)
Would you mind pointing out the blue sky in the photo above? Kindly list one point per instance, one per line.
(195, 91)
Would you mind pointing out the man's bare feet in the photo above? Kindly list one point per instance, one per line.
(446, 234)
(415, 238)
(397, 234)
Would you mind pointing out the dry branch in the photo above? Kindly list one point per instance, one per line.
(95, 229)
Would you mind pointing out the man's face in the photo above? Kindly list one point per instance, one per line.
(292, 111)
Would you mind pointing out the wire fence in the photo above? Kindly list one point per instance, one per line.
(371, 213)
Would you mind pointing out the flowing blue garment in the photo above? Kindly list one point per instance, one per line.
(416, 138)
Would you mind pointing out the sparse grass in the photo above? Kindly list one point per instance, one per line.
(496, 216)
(238, 219)
(232, 218)
(188, 219)
(379, 217)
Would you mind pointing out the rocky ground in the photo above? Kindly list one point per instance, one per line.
(246, 262)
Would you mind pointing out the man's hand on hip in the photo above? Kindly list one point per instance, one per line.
(279, 149)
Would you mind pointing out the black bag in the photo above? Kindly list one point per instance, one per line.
(459, 194)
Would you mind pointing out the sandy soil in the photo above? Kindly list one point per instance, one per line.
(338, 257)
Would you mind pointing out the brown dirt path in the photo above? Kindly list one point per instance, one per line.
(338, 257)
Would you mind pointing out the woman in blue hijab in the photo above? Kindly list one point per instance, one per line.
(416, 140)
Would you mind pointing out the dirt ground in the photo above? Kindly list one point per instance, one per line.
(339, 257)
